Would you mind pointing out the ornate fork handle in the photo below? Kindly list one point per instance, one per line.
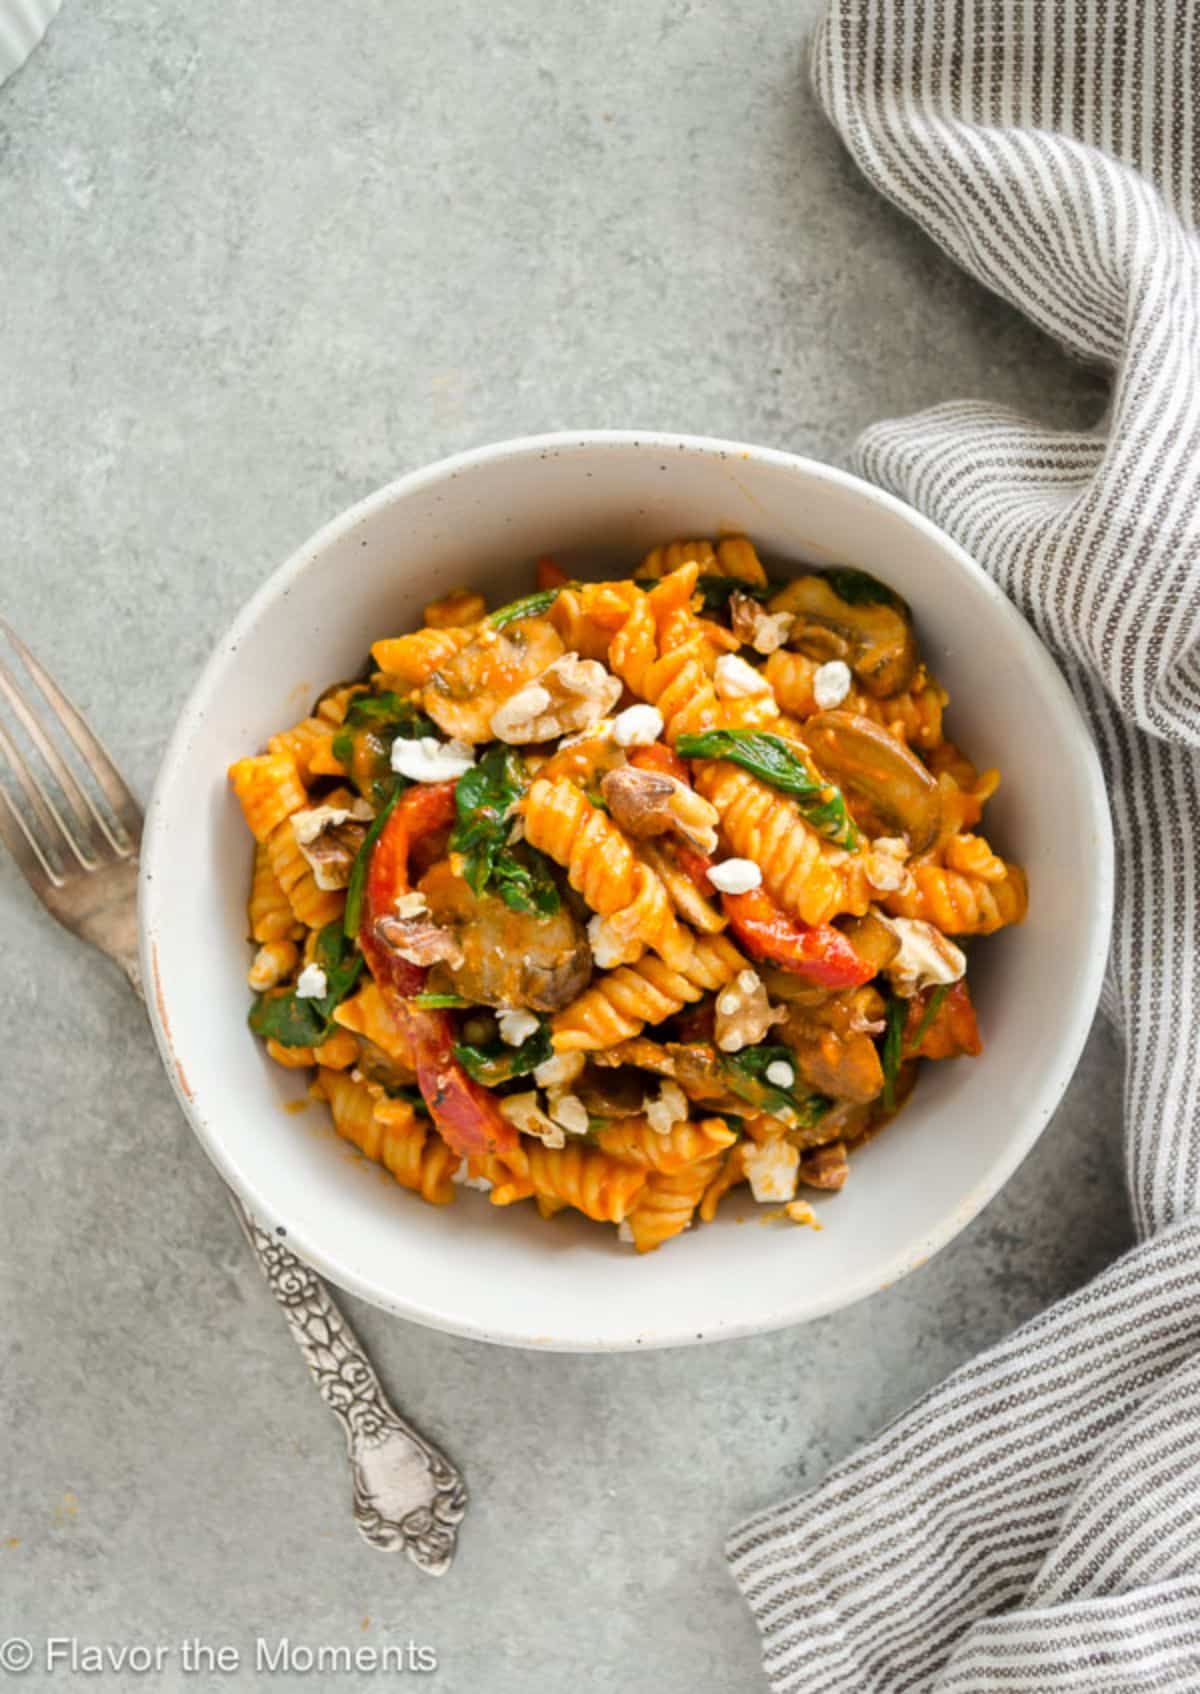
(407, 1494)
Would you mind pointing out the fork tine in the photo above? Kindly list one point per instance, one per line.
(24, 847)
(48, 814)
(107, 777)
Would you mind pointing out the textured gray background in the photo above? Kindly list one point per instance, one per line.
(254, 261)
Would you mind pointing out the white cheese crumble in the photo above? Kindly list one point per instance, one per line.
(734, 679)
(637, 726)
(780, 1073)
(735, 876)
(412, 905)
(516, 1026)
(312, 983)
(772, 1170)
(886, 863)
(667, 1108)
(465, 1180)
(430, 760)
(831, 684)
(570, 1111)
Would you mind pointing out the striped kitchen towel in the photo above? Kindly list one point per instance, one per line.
(1034, 1523)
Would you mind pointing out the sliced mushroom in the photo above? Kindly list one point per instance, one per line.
(827, 1167)
(463, 696)
(647, 803)
(862, 758)
(509, 958)
(873, 635)
(615, 1093)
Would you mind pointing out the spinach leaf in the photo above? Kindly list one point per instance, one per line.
(770, 758)
(859, 588)
(358, 871)
(296, 1022)
(746, 1074)
(483, 800)
(532, 606)
(363, 743)
(496, 1062)
(893, 1048)
(441, 1002)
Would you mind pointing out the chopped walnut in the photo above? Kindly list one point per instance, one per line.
(559, 1072)
(419, 941)
(926, 958)
(755, 626)
(666, 1108)
(886, 865)
(570, 694)
(744, 1013)
(523, 1111)
(647, 803)
(329, 837)
(825, 1167)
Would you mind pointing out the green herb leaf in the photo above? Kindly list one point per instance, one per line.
(859, 588)
(497, 1062)
(770, 758)
(364, 741)
(746, 1074)
(441, 1002)
(532, 606)
(483, 799)
(390, 712)
(893, 1049)
(296, 1022)
(358, 871)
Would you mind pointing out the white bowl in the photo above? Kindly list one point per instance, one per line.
(505, 1275)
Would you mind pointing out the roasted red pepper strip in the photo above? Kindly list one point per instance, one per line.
(951, 1032)
(819, 953)
(659, 757)
(465, 1113)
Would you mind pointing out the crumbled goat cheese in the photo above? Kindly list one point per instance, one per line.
(312, 983)
(667, 1108)
(430, 760)
(780, 1073)
(413, 905)
(560, 1071)
(734, 679)
(570, 1111)
(831, 684)
(465, 1180)
(735, 876)
(516, 1026)
(637, 726)
(926, 957)
(772, 1170)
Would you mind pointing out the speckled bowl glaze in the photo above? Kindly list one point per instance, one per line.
(502, 1274)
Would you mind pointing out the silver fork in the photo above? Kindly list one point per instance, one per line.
(80, 859)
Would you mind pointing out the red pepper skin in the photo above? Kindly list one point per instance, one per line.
(466, 1115)
(661, 758)
(550, 573)
(819, 953)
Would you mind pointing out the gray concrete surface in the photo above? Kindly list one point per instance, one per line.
(255, 260)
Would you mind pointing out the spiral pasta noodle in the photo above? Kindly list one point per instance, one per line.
(527, 938)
